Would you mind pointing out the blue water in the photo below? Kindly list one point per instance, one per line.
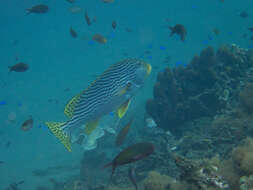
(57, 61)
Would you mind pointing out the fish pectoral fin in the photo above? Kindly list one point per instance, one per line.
(56, 129)
(91, 126)
(70, 107)
(123, 109)
(124, 89)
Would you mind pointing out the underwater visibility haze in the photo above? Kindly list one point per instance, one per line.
(126, 95)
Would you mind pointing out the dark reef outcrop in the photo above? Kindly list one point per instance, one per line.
(208, 85)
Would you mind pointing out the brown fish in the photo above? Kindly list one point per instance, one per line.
(114, 24)
(38, 9)
(131, 154)
(99, 38)
(27, 125)
(123, 133)
(87, 18)
(178, 29)
(73, 32)
(19, 67)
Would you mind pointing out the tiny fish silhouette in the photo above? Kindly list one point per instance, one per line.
(71, 1)
(180, 30)
(244, 14)
(73, 32)
(108, 1)
(19, 67)
(27, 125)
(87, 18)
(38, 9)
(114, 24)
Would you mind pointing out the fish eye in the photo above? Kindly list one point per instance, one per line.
(128, 84)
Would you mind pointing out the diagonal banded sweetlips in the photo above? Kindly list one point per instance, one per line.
(112, 91)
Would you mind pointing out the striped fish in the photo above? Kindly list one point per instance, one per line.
(110, 92)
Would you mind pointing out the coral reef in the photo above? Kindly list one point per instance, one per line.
(202, 175)
(156, 181)
(207, 86)
(238, 169)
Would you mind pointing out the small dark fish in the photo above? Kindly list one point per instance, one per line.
(73, 32)
(132, 176)
(14, 186)
(216, 31)
(180, 30)
(15, 42)
(251, 29)
(52, 100)
(114, 24)
(147, 52)
(123, 133)
(108, 1)
(244, 14)
(94, 19)
(87, 18)
(66, 89)
(131, 154)
(27, 125)
(38, 9)
(19, 67)
(8, 144)
(99, 38)
(1, 162)
(71, 1)
(129, 29)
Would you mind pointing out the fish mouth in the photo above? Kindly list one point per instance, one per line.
(148, 68)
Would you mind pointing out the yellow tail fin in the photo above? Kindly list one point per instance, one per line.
(55, 128)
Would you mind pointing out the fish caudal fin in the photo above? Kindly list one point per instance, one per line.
(56, 129)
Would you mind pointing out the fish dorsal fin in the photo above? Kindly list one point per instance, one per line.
(70, 107)
(91, 126)
(123, 109)
(56, 129)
